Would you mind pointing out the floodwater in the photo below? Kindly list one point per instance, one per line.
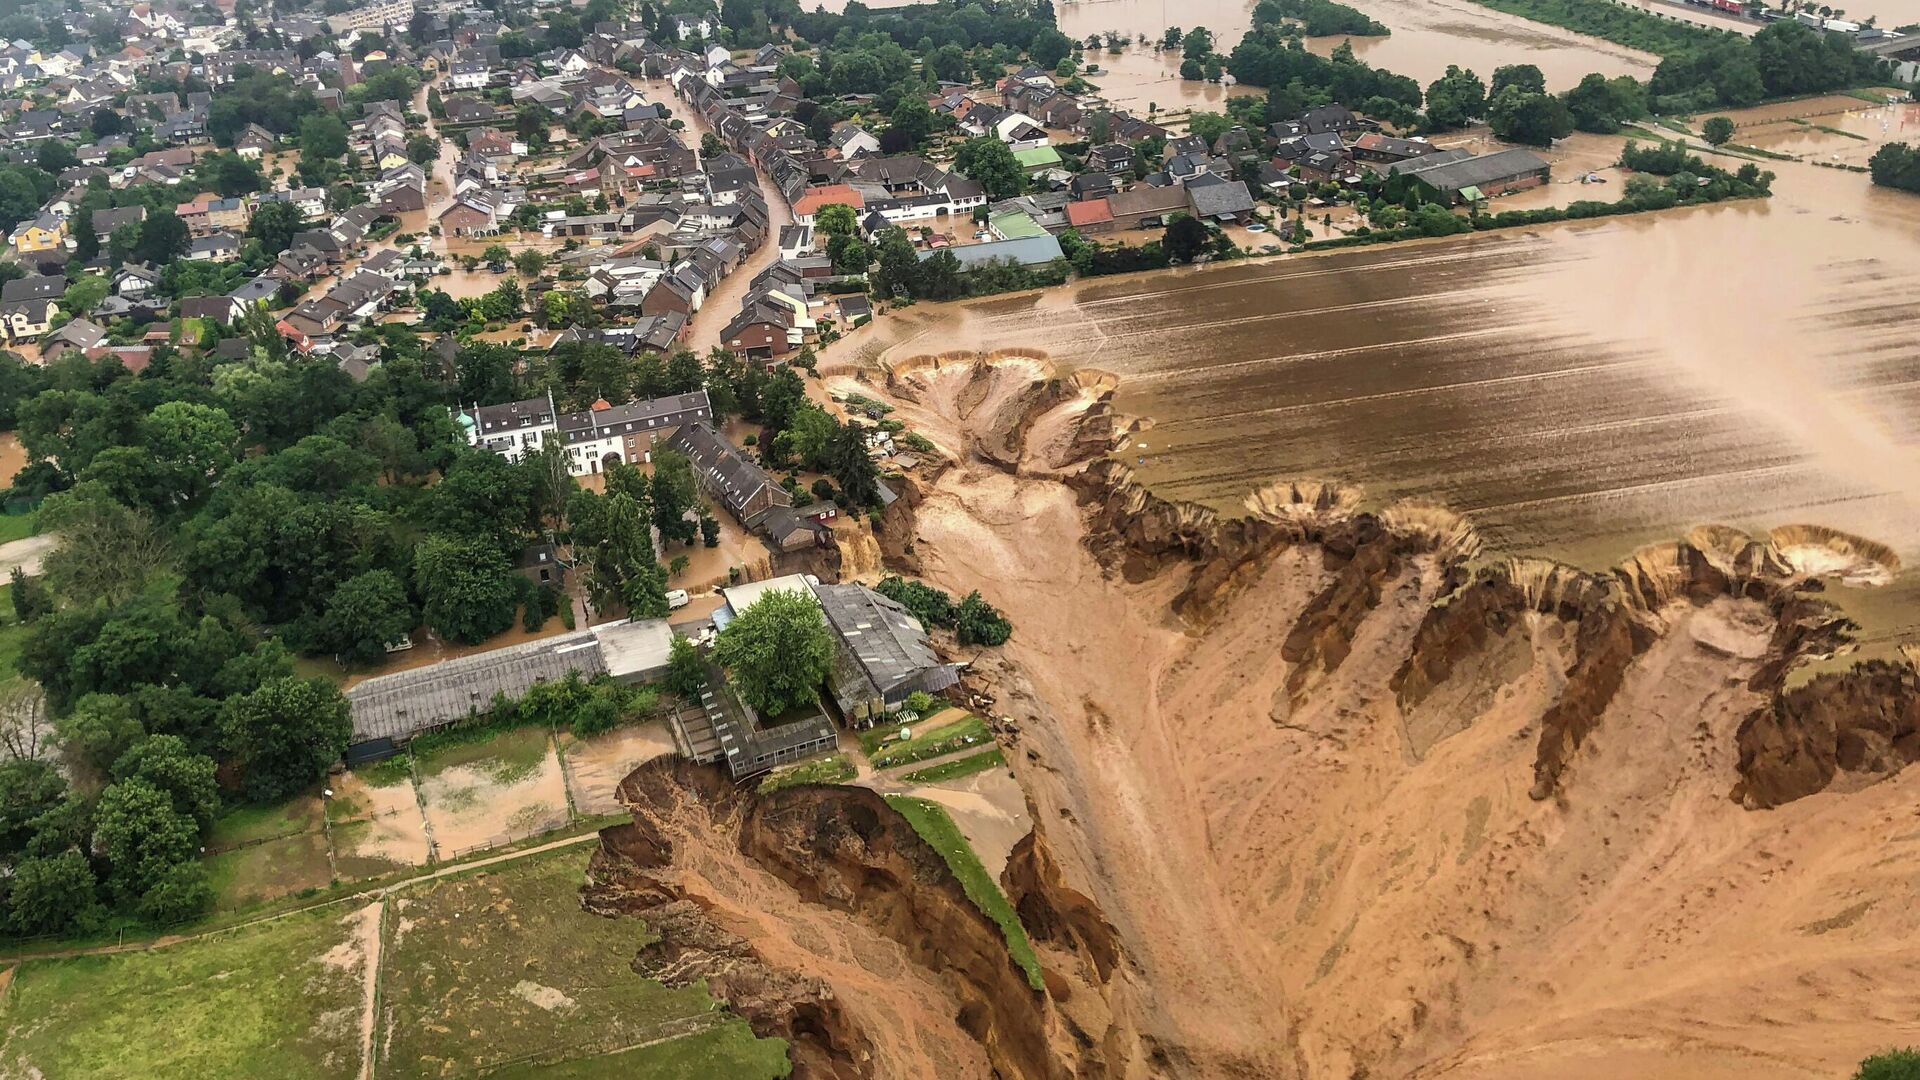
(13, 457)
(1578, 390)
(1148, 83)
(1428, 35)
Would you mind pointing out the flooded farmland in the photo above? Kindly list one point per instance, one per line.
(1430, 34)
(1579, 390)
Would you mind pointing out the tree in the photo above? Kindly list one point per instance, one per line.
(777, 652)
(836, 219)
(142, 836)
(913, 120)
(853, 471)
(274, 225)
(1525, 76)
(166, 762)
(323, 137)
(1197, 43)
(423, 149)
(467, 588)
(1186, 237)
(1049, 48)
(1455, 99)
(686, 675)
(990, 163)
(285, 735)
(52, 895)
(977, 622)
(1535, 119)
(1903, 1064)
(1599, 104)
(160, 239)
(530, 262)
(55, 157)
(1896, 165)
(364, 615)
(1209, 125)
(1718, 130)
(673, 494)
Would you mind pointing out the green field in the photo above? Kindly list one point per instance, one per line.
(927, 742)
(18, 526)
(727, 1051)
(932, 822)
(957, 768)
(502, 967)
(832, 769)
(281, 999)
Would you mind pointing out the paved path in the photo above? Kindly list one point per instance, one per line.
(26, 553)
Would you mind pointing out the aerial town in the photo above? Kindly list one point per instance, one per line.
(560, 539)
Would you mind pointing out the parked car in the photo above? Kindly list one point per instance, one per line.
(677, 598)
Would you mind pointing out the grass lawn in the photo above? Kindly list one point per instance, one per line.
(957, 768)
(270, 870)
(505, 756)
(727, 1051)
(931, 821)
(18, 526)
(928, 742)
(501, 966)
(248, 824)
(832, 769)
(264, 1001)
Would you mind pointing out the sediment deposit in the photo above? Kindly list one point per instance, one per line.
(1326, 791)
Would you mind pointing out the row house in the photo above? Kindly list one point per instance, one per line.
(594, 439)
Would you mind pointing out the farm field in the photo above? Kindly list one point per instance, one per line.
(500, 968)
(283, 998)
(494, 972)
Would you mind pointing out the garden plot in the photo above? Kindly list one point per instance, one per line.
(597, 764)
(376, 821)
(491, 792)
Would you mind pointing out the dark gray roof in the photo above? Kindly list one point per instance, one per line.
(657, 414)
(1427, 160)
(1214, 200)
(721, 469)
(885, 641)
(408, 702)
(1485, 169)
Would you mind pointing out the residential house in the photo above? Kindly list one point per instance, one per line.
(725, 474)
(45, 233)
(26, 320)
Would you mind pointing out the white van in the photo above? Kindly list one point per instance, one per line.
(677, 598)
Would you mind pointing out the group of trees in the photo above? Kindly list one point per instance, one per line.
(973, 620)
(1896, 165)
(1320, 18)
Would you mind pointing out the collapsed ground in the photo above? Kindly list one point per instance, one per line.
(1328, 793)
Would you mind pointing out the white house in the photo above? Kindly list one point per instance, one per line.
(594, 438)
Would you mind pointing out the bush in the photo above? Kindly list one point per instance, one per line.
(1902, 1064)
(922, 703)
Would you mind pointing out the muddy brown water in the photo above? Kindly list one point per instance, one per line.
(1578, 389)
(1428, 35)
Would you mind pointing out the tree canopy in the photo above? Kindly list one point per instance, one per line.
(777, 652)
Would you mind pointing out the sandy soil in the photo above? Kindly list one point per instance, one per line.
(596, 766)
(375, 828)
(1315, 885)
(484, 803)
(13, 457)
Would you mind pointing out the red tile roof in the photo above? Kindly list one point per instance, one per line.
(1089, 212)
(817, 197)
